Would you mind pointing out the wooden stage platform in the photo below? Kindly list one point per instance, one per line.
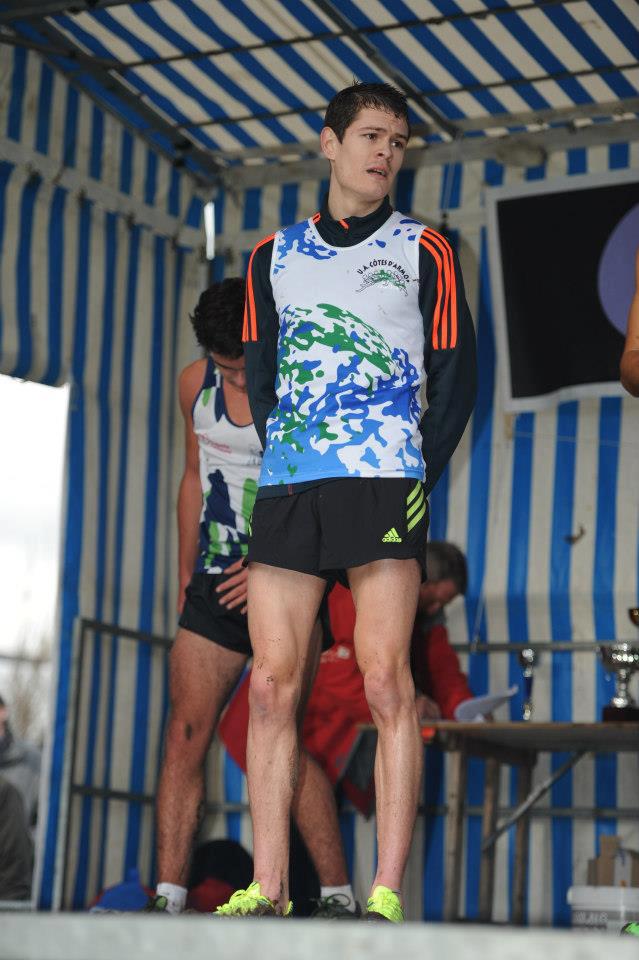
(137, 937)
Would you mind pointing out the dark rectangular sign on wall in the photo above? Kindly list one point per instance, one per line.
(562, 258)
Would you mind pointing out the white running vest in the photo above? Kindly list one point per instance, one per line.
(230, 458)
(350, 356)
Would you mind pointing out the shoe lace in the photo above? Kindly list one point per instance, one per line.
(241, 902)
(335, 903)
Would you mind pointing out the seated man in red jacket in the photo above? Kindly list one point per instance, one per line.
(337, 705)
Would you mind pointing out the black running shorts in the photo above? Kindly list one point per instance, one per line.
(339, 524)
(203, 614)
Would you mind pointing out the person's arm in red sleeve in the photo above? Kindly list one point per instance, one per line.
(447, 684)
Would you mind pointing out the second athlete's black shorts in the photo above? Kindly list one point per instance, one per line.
(341, 524)
(203, 614)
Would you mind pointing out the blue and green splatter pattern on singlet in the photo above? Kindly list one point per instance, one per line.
(230, 460)
(350, 356)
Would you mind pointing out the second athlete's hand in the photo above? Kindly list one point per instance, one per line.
(232, 592)
(427, 709)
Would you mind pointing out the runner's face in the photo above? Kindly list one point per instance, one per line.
(232, 370)
(368, 159)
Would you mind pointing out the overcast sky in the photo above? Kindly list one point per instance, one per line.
(32, 437)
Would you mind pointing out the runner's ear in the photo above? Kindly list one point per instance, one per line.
(328, 142)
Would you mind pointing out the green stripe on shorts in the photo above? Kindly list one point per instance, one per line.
(411, 496)
(418, 516)
(416, 505)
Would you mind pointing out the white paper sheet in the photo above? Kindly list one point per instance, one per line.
(477, 707)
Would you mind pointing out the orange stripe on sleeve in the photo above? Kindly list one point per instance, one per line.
(249, 329)
(344, 224)
(245, 325)
(436, 313)
(450, 307)
(316, 217)
(442, 246)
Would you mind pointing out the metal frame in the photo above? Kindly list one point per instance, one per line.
(73, 788)
(539, 646)
(434, 91)
(209, 168)
(183, 147)
(36, 9)
(539, 791)
(521, 149)
(80, 184)
(415, 96)
(467, 743)
(498, 121)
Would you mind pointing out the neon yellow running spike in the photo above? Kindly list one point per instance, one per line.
(632, 928)
(251, 903)
(384, 904)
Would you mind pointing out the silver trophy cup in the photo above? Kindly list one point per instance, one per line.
(622, 660)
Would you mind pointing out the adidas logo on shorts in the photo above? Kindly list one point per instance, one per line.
(392, 536)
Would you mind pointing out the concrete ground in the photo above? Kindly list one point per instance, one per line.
(136, 937)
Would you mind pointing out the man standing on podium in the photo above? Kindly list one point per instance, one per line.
(347, 315)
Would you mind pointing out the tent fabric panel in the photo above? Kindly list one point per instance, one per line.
(468, 62)
(48, 116)
(84, 298)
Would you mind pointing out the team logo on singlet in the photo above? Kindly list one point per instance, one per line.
(387, 272)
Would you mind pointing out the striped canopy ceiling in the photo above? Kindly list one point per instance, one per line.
(235, 90)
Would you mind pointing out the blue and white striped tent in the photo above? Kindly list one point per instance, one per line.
(117, 124)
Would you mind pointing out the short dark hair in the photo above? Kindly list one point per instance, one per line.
(218, 317)
(445, 561)
(346, 104)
